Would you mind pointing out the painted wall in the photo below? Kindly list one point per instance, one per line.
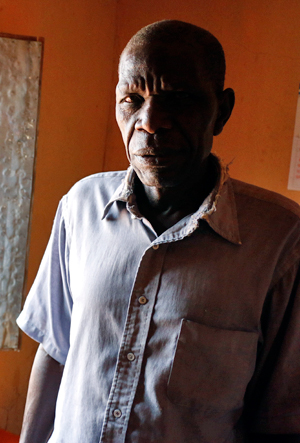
(76, 94)
(78, 136)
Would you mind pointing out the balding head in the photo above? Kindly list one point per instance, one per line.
(186, 37)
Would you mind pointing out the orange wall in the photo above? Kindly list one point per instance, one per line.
(77, 92)
(78, 136)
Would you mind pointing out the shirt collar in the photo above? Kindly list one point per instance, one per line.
(123, 193)
(218, 209)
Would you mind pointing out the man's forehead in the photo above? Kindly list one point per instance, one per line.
(176, 62)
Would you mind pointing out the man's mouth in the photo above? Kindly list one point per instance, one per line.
(159, 159)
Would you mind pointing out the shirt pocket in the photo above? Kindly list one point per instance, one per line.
(211, 368)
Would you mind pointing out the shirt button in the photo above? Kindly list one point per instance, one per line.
(155, 246)
(117, 413)
(142, 300)
(130, 356)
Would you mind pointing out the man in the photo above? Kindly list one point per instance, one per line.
(168, 295)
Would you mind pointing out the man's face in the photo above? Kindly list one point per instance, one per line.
(166, 109)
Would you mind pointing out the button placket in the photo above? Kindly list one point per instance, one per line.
(132, 346)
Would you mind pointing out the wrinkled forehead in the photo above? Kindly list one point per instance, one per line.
(178, 63)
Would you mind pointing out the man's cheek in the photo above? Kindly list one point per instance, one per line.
(127, 150)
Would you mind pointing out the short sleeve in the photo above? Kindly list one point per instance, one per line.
(46, 315)
(276, 388)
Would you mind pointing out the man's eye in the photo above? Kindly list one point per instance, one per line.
(128, 100)
(132, 99)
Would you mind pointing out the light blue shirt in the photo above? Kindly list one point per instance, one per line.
(158, 335)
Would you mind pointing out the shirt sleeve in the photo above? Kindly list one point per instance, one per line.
(46, 315)
(275, 396)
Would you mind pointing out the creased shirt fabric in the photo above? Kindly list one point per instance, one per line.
(190, 336)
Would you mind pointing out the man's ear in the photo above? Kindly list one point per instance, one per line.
(226, 104)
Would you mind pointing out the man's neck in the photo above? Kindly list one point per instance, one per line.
(164, 207)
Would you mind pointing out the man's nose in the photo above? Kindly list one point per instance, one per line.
(153, 116)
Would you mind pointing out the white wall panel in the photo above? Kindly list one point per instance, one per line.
(20, 67)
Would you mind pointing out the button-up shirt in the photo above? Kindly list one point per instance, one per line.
(190, 336)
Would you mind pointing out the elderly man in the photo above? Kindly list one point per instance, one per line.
(168, 294)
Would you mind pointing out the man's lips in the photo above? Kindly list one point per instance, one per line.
(157, 157)
(149, 150)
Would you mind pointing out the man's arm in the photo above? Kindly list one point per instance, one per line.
(41, 398)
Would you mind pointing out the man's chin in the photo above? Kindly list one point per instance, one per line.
(161, 178)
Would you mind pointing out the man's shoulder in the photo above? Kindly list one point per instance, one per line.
(269, 223)
(102, 182)
(93, 191)
(99, 179)
(265, 200)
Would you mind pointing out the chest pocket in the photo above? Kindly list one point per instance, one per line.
(211, 368)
